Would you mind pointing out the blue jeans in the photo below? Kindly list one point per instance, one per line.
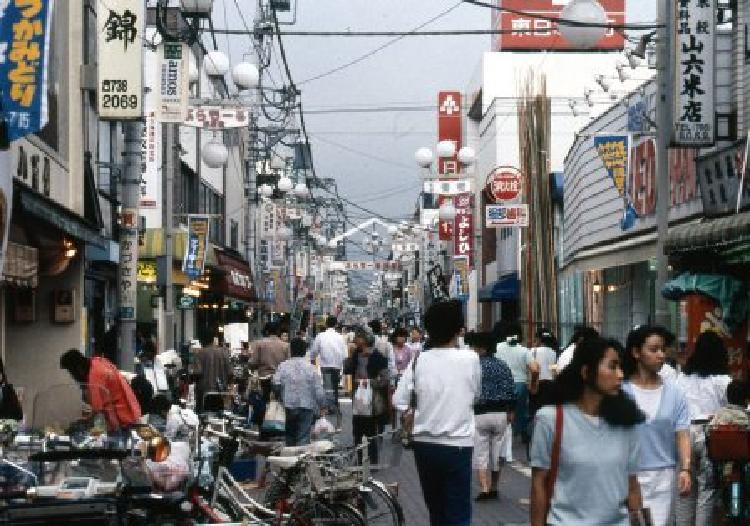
(445, 477)
(299, 422)
(521, 424)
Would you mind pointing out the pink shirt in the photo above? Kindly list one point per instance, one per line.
(403, 357)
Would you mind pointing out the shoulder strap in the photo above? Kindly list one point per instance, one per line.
(413, 396)
(555, 458)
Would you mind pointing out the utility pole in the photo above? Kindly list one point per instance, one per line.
(665, 83)
(171, 131)
(129, 243)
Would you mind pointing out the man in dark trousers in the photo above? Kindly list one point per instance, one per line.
(214, 370)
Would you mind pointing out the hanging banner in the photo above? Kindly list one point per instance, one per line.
(449, 129)
(6, 203)
(447, 186)
(693, 69)
(120, 58)
(128, 269)
(24, 52)
(445, 228)
(173, 84)
(500, 216)
(150, 188)
(614, 151)
(197, 243)
(217, 117)
(463, 240)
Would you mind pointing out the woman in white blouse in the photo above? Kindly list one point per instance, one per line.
(704, 382)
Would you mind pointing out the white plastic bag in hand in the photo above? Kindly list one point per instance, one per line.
(322, 427)
(362, 405)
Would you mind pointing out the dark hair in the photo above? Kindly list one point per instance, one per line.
(669, 337)
(710, 356)
(362, 332)
(738, 392)
(480, 340)
(159, 405)
(297, 347)
(635, 340)
(331, 322)
(272, 328)
(399, 333)
(443, 320)
(547, 338)
(514, 329)
(76, 364)
(376, 326)
(568, 387)
(581, 332)
(499, 330)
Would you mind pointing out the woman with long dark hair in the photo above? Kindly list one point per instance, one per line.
(664, 438)
(593, 421)
(10, 407)
(704, 382)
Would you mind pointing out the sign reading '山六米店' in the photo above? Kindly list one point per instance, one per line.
(693, 65)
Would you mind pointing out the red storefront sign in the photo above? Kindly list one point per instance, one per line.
(504, 184)
(445, 228)
(449, 129)
(526, 32)
(237, 280)
(463, 227)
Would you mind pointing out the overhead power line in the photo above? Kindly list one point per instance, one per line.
(435, 33)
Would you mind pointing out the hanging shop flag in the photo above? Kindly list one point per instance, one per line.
(463, 240)
(614, 151)
(196, 246)
(120, 58)
(128, 270)
(693, 69)
(24, 54)
(150, 188)
(450, 114)
(173, 82)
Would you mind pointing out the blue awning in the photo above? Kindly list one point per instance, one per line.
(506, 288)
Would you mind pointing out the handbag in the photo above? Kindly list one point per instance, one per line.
(275, 419)
(362, 405)
(10, 407)
(407, 417)
(549, 482)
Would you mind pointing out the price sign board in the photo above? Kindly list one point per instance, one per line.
(497, 216)
(120, 62)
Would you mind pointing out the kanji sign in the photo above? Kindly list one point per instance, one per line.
(371, 265)
(173, 82)
(529, 28)
(450, 116)
(120, 79)
(463, 239)
(24, 50)
(128, 270)
(217, 117)
(504, 183)
(695, 43)
(196, 246)
(497, 216)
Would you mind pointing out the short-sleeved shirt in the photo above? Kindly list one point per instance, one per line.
(497, 382)
(518, 359)
(590, 488)
(656, 436)
(301, 385)
(705, 394)
(546, 358)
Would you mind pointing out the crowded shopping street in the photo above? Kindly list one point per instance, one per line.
(392, 263)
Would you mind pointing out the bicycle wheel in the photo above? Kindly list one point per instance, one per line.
(348, 515)
(379, 506)
(311, 512)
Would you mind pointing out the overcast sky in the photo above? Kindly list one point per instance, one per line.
(371, 155)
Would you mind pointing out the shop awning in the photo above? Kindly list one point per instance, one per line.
(57, 215)
(506, 288)
(719, 233)
(153, 243)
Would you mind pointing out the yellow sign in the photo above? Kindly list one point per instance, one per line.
(147, 271)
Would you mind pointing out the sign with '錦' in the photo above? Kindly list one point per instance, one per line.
(24, 51)
(120, 77)
(196, 246)
(173, 82)
(693, 64)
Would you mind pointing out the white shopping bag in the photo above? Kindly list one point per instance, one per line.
(322, 427)
(362, 405)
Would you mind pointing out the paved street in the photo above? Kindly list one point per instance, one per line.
(510, 509)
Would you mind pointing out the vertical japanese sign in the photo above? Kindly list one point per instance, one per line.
(197, 244)
(445, 228)
(463, 227)
(150, 190)
(120, 81)
(173, 83)
(128, 264)
(24, 52)
(694, 45)
(614, 151)
(449, 129)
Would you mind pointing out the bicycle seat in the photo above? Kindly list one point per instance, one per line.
(284, 462)
(314, 448)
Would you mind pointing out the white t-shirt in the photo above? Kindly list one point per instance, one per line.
(545, 357)
(331, 348)
(705, 394)
(667, 372)
(648, 400)
(565, 357)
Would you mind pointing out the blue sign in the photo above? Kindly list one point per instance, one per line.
(196, 246)
(24, 51)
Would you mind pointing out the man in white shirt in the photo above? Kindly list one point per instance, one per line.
(580, 333)
(331, 347)
(384, 347)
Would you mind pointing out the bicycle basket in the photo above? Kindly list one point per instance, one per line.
(728, 442)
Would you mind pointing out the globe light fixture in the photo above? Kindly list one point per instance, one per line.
(266, 190)
(193, 73)
(214, 154)
(447, 211)
(285, 184)
(585, 12)
(446, 149)
(300, 190)
(216, 64)
(246, 75)
(467, 155)
(423, 156)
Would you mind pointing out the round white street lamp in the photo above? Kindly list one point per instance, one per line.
(586, 12)
(446, 149)
(193, 73)
(300, 190)
(467, 155)
(246, 75)
(285, 184)
(423, 156)
(214, 154)
(216, 63)
(447, 211)
(266, 190)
